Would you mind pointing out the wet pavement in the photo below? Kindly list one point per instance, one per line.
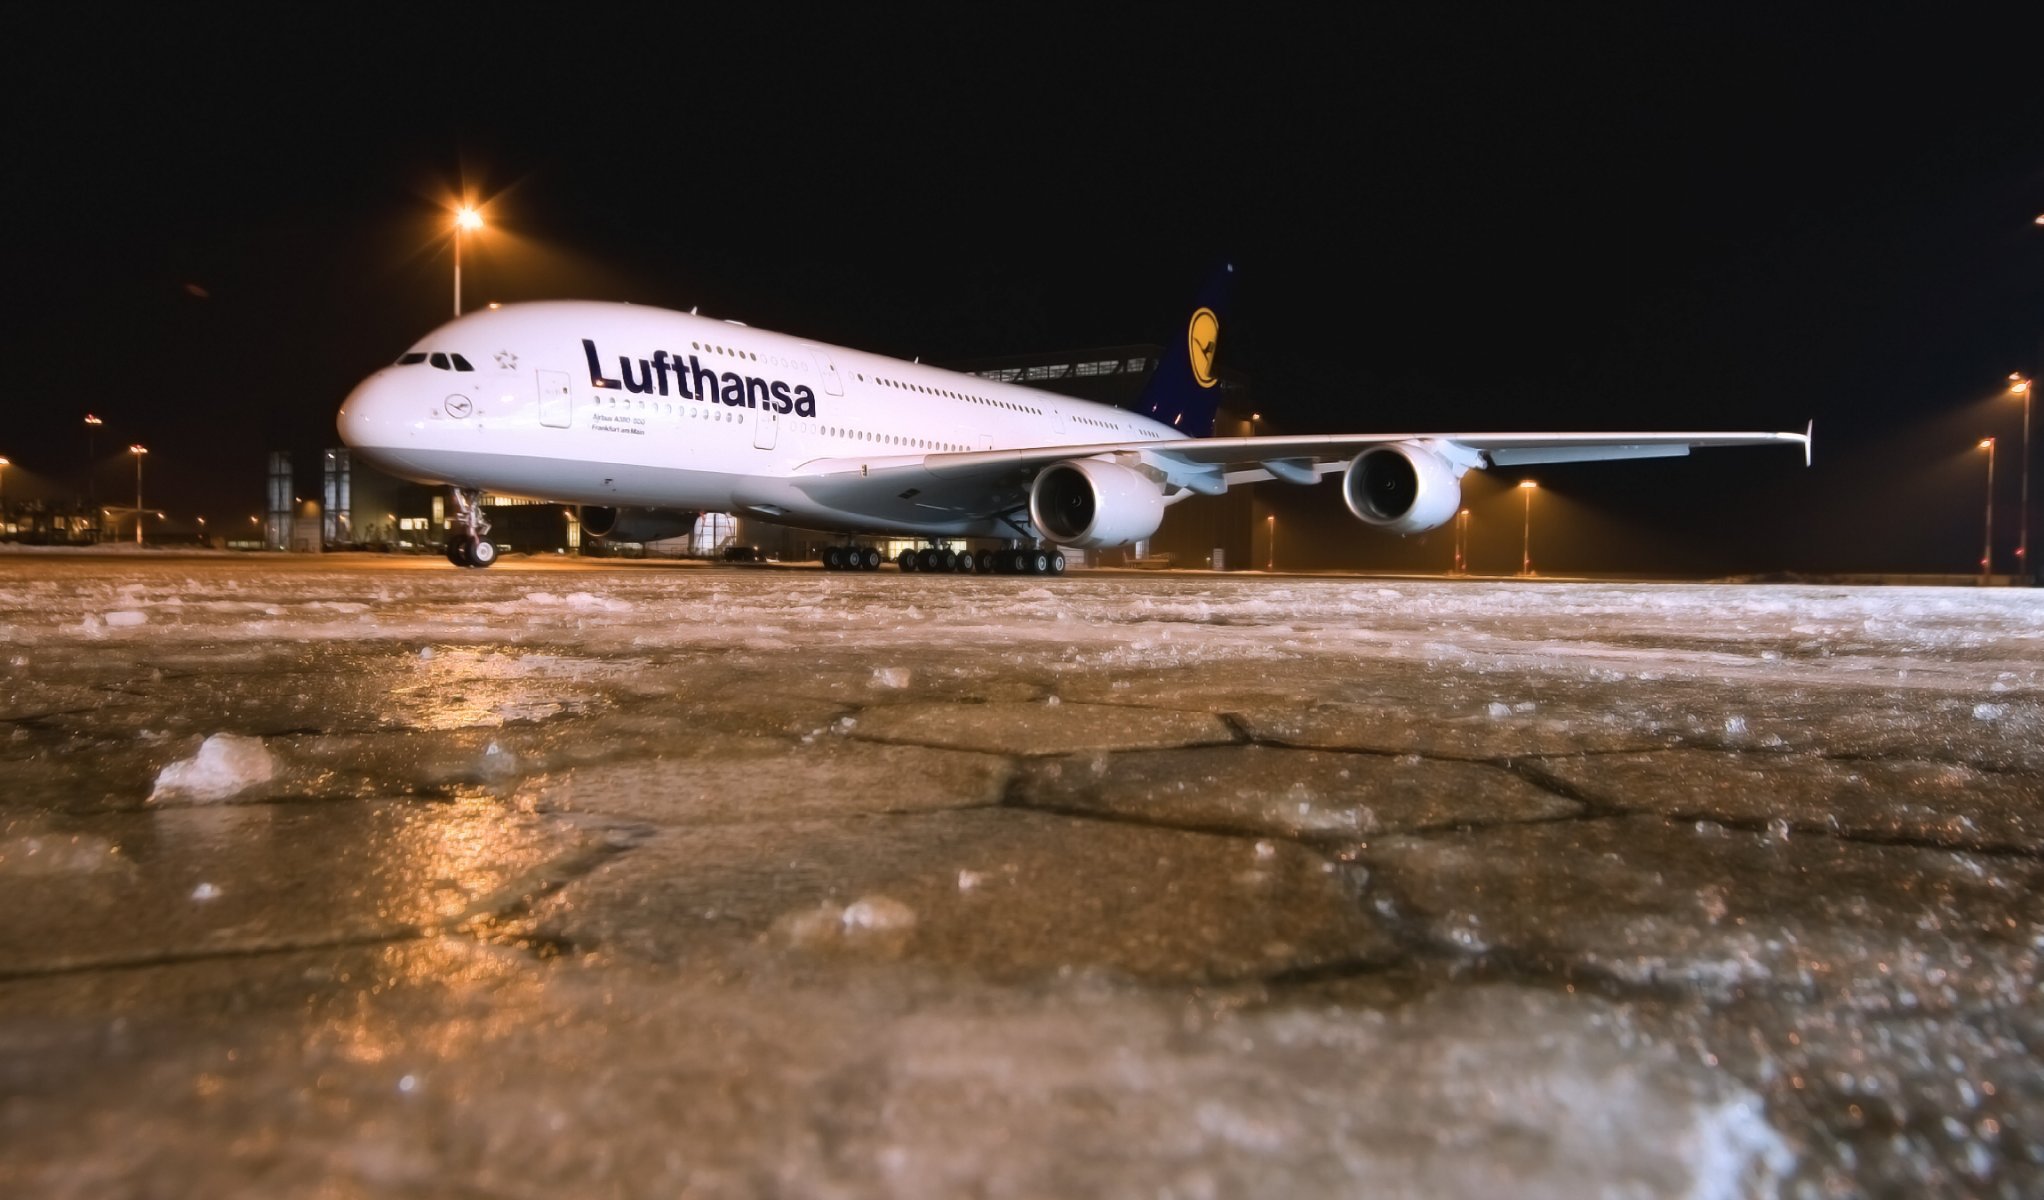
(370, 876)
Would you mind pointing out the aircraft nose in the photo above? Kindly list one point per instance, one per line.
(370, 416)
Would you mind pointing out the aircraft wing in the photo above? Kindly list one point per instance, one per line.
(981, 483)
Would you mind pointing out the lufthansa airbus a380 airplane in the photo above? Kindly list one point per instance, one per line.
(644, 418)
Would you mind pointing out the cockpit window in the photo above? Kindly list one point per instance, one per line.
(460, 363)
(439, 360)
(415, 356)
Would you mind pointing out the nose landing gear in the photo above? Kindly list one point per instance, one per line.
(467, 543)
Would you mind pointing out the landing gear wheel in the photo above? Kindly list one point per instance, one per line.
(482, 552)
(1014, 562)
(966, 564)
(926, 559)
(870, 559)
(457, 552)
(989, 563)
(833, 558)
(1057, 563)
(947, 560)
(906, 561)
(1039, 563)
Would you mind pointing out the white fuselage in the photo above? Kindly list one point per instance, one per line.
(613, 404)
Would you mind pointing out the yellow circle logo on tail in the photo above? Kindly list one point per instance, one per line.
(1201, 338)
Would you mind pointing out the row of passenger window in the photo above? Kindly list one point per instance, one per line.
(889, 439)
(659, 409)
(965, 396)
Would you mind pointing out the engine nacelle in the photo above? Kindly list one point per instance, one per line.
(1401, 489)
(634, 524)
(1092, 504)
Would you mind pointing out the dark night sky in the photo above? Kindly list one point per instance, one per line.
(1530, 218)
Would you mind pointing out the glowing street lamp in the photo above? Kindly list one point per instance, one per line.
(4, 464)
(1270, 522)
(138, 451)
(1526, 487)
(1987, 548)
(465, 218)
(92, 425)
(2020, 386)
(1462, 542)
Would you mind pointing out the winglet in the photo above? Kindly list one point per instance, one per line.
(1808, 431)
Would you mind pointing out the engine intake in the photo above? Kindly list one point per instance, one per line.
(1401, 489)
(1093, 504)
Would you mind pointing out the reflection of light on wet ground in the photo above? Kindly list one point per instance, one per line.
(441, 866)
(370, 1032)
(463, 688)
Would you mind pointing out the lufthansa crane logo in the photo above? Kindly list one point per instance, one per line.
(1201, 336)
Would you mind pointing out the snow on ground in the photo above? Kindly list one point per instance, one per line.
(721, 881)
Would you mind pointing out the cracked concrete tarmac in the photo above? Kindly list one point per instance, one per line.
(367, 876)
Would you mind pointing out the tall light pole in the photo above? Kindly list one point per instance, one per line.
(465, 219)
(1270, 522)
(138, 451)
(1987, 547)
(1526, 488)
(4, 464)
(92, 425)
(2020, 386)
(1462, 542)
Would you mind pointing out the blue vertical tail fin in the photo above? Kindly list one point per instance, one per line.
(1185, 390)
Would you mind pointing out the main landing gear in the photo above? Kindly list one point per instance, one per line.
(467, 543)
(1012, 561)
(851, 558)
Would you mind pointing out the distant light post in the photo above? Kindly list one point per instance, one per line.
(4, 464)
(138, 451)
(92, 425)
(1270, 521)
(1527, 486)
(1462, 542)
(2020, 386)
(1987, 547)
(465, 219)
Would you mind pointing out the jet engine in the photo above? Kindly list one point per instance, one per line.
(1401, 488)
(634, 524)
(1092, 504)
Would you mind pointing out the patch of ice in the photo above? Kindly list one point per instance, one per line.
(890, 677)
(126, 618)
(205, 891)
(872, 924)
(1989, 712)
(225, 764)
